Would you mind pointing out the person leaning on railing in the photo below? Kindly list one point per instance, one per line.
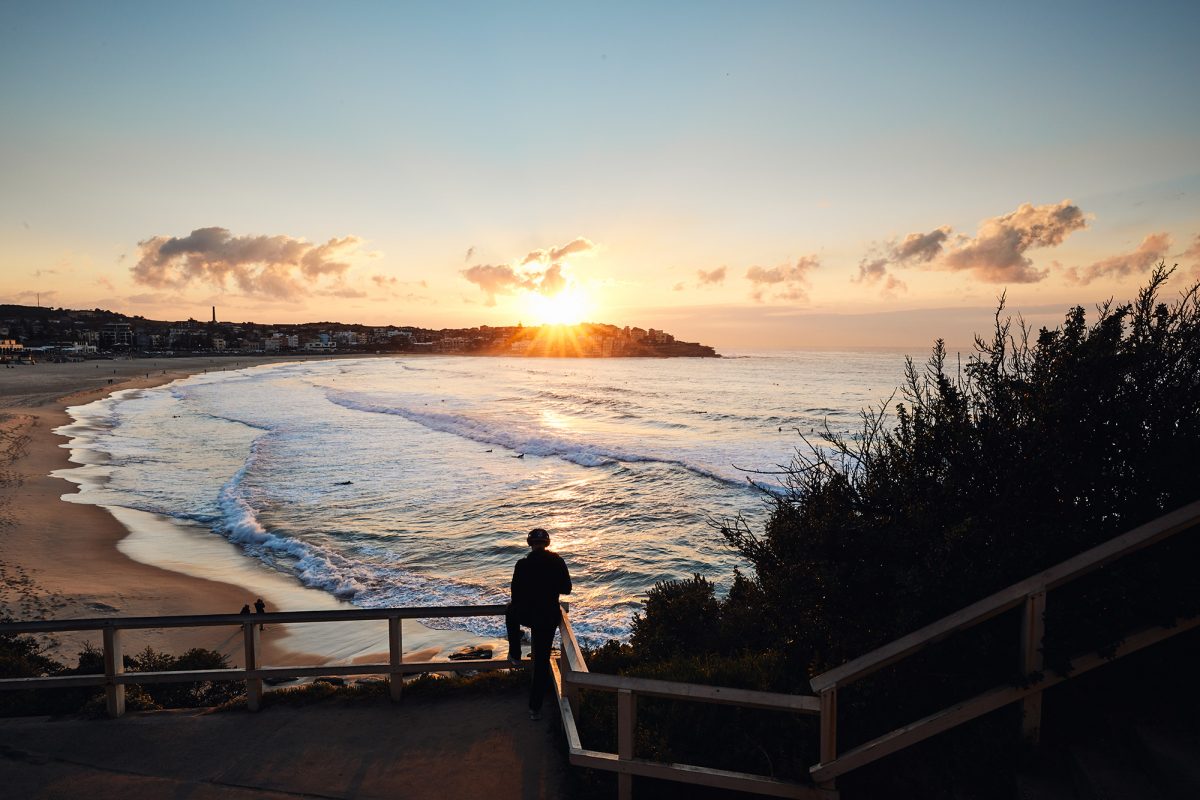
(538, 579)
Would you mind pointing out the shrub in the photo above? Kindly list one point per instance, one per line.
(1037, 448)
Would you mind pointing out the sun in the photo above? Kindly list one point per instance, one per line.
(569, 307)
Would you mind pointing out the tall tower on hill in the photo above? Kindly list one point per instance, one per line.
(214, 313)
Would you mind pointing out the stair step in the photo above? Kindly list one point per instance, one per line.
(1100, 776)
(1174, 756)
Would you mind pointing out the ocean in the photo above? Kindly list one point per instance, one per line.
(413, 480)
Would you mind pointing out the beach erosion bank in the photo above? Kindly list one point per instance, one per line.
(61, 558)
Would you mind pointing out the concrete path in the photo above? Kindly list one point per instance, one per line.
(448, 746)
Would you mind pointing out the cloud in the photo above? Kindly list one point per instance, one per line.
(105, 283)
(892, 286)
(871, 272)
(540, 271)
(874, 272)
(496, 279)
(470, 254)
(1152, 250)
(343, 291)
(31, 296)
(997, 253)
(1192, 254)
(784, 282)
(711, 277)
(383, 281)
(280, 267)
(678, 287)
(554, 255)
(915, 248)
(920, 248)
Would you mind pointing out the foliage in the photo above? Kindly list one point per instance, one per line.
(22, 656)
(1037, 448)
(183, 695)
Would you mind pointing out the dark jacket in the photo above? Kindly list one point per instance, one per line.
(538, 579)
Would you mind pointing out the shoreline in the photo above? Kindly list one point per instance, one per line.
(62, 557)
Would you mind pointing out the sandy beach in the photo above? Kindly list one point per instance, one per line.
(68, 559)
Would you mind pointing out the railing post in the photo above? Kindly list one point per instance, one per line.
(1033, 633)
(569, 690)
(626, 727)
(114, 665)
(254, 686)
(395, 656)
(828, 729)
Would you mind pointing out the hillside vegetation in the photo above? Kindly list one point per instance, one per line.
(1035, 447)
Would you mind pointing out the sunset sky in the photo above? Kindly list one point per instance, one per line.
(743, 174)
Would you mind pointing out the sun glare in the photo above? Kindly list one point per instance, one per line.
(568, 307)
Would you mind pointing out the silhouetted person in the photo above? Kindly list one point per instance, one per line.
(538, 579)
(245, 610)
(260, 608)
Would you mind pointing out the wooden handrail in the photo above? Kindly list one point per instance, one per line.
(114, 678)
(1012, 596)
(1029, 593)
(988, 701)
(626, 764)
(209, 620)
(570, 645)
(698, 692)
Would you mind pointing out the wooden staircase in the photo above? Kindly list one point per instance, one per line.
(1101, 743)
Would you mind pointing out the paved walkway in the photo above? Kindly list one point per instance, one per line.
(448, 746)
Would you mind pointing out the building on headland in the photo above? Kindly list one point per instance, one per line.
(117, 335)
(69, 334)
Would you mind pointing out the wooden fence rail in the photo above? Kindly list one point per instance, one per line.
(115, 679)
(571, 675)
(1030, 595)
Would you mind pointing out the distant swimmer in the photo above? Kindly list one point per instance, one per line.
(343, 483)
(488, 450)
(519, 455)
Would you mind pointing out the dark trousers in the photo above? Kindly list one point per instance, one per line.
(542, 638)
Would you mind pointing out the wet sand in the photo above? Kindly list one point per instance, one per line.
(61, 560)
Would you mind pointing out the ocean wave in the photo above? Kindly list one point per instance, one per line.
(538, 442)
(365, 584)
(584, 400)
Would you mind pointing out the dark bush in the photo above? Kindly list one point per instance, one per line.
(1036, 449)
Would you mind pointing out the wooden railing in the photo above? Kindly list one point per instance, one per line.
(1030, 595)
(115, 679)
(572, 666)
(571, 674)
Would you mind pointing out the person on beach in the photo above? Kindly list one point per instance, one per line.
(538, 579)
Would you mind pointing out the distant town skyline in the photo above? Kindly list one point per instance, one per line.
(57, 334)
(771, 175)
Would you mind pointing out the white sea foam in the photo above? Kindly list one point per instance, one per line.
(537, 442)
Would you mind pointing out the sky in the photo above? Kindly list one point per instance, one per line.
(748, 175)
